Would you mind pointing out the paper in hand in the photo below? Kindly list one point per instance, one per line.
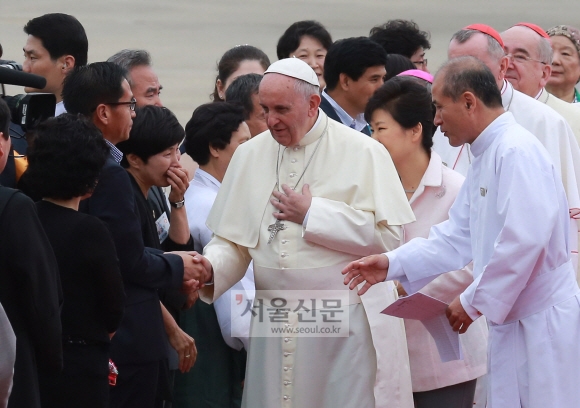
(430, 312)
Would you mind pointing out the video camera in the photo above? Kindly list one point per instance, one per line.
(27, 110)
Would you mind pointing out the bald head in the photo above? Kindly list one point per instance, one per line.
(484, 47)
(530, 59)
(468, 74)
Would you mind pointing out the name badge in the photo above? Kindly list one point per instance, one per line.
(162, 224)
(483, 191)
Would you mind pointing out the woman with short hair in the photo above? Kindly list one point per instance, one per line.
(309, 41)
(64, 162)
(565, 63)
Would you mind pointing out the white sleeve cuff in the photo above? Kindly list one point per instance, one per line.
(472, 312)
(395, 269)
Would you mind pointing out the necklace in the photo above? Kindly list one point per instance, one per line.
(278, 225)
(410, 191)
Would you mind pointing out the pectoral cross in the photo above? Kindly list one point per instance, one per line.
(275, 228)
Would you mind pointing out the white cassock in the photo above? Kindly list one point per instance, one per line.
(511, 219)
(555, 134)
(430, 203)
(199, 199)
(357, 208)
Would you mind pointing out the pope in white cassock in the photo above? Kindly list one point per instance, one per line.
(511, 219)
(302, 200)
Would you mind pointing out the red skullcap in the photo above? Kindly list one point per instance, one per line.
(536, 28)
(485, 29)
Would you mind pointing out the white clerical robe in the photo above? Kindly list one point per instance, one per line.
(555, 134)
(430, 203)
(199, 199)
(511, 219)
(571, 113)
(358, 206)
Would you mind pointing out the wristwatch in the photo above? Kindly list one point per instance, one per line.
(178, 204)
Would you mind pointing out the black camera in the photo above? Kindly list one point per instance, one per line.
(26, 110)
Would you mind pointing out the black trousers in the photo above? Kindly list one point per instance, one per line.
(136, 386)
(455, 396)
(84, 381)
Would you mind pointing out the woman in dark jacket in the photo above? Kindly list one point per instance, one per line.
(65, 159)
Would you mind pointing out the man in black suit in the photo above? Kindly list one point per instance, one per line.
(101, 92)
(354, 69)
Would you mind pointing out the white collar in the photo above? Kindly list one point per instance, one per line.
(59, 109)
(432, 177)
(206, 179)
(485, 138)
(311, 135)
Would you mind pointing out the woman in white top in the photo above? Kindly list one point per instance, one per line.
(401, 116)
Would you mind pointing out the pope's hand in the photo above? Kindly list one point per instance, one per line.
(458, 318)
(371, 270)
(293, 206)
(195, 267)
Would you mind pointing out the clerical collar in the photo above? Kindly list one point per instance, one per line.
(485, 138)
(116, 153)
(312, 135)
(358, 123)
(507, 95)
(539, 94)
(504, 87)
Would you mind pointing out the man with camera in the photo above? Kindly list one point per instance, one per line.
(56, 43)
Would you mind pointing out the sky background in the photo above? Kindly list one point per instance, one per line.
(186, 38)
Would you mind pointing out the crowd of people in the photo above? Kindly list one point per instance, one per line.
(133, 250)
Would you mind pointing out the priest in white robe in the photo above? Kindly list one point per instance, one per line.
(336, 196)
(511, 219)
(530, 66)
(550, 128)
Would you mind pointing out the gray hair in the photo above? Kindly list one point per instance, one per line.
(494, 48)
(305, 89)
(469, 74)
(129, 59)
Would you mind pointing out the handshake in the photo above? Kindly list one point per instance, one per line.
(197, 270)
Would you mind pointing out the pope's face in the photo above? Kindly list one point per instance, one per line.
(288, 113)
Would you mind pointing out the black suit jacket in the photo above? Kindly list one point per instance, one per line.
(331, 113)
(141, 337)
(31, 295)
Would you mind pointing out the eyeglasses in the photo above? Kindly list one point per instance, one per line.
(422, 63)
(131, 103)
(522, 59)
